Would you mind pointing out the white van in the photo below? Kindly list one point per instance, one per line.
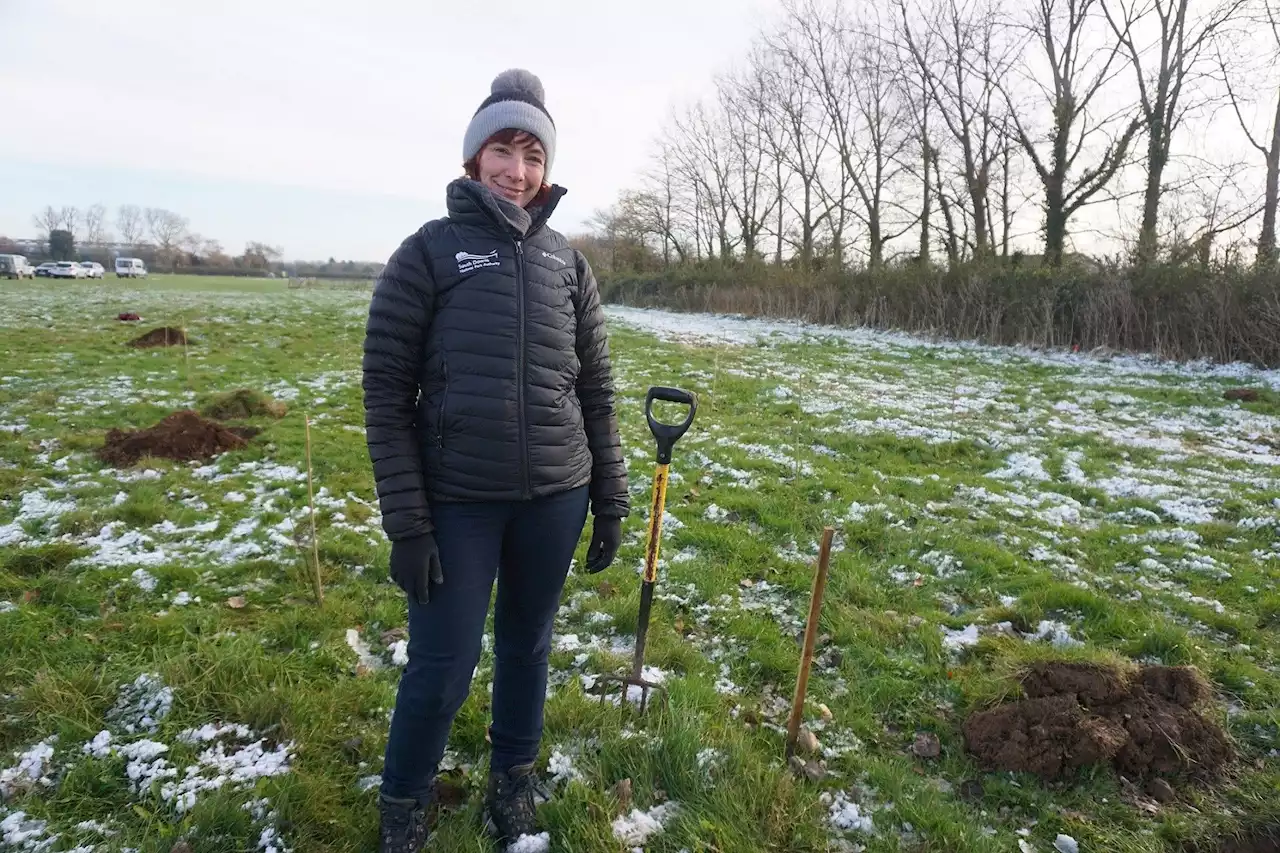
(16, 266)
(130, 268)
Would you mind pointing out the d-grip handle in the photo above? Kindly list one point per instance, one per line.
(668, 434)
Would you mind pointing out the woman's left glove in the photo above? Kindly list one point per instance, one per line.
(606, 536)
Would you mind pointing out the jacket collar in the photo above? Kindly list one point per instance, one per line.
(471, 202)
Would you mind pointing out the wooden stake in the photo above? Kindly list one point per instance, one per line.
(311, 500)
(810, 637)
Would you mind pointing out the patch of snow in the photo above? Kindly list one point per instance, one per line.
(959, 639)
(141, 705)
(845, 815)
(562, 769)
(540, 843)
(1021, 466)
(100, 746)
(363, 652)
(144, 579)
(638, 827)
(30, 771)
(399, 652)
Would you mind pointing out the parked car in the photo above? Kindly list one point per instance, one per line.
(93, 269)
(68, 269)
(16, 266)
(45, 270)
(130, 268)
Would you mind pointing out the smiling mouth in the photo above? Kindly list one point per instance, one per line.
(510, 193)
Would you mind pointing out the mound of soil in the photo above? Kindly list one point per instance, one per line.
(128, 316)
(1245, 395)
(1265, 843)
(182, 436)
(1075, 714)
(165, 336)
(243, 403)
(1266, 840)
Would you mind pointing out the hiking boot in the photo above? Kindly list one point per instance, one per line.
(402, 824)
(510, 803)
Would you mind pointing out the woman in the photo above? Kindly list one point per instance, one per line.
(491, 426)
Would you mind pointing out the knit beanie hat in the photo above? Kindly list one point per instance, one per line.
(516, 101)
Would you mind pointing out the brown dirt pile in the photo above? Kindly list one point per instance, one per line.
(243, 403)
(165, 336)
(1265, 840)
(1077, 714)
(182, 436)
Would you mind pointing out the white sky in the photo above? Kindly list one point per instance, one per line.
(331, 127)
(369, 97)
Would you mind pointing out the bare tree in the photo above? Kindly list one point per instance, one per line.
(94, 219)
(1268, 16)
(1163, 71)
(167, 230)
(1217, 201)
(129, 223)
(748, 122)
(814, 117)
(962, 76)
(1077, 74)
(47, 221)
(702, 157)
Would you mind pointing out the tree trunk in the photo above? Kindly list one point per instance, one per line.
(953, 245)
(1055, 223)
(1006, 215)
(1267, 241)
(777, 251)
(877, 242)
(978, 197)
(1148, 240)
(925, 205)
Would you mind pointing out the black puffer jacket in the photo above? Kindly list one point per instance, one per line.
(486, 368)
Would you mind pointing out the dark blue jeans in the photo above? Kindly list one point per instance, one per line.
(527, 545)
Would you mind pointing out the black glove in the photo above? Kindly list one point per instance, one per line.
(606, 536)
(415, 565)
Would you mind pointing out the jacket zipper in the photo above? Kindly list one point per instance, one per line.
(520, 370)
(444, 364)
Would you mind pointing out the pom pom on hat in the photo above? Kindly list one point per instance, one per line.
(519, 80)
(516, 101)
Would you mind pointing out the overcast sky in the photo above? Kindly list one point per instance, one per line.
(330, 127)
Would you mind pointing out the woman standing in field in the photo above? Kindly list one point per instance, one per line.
(491, 427)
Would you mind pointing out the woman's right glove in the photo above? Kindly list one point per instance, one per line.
(415, 565)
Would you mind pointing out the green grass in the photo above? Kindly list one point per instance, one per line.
(893, 445)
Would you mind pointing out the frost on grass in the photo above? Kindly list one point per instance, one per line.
(1022, 466)
(561, 767)
(141, 705)
(844, 815)
(364, 655)
(19, 832)
(540, 843)
(30, 771)
(638, 827)
(217, 766)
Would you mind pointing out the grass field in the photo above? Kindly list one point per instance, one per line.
(166, 676)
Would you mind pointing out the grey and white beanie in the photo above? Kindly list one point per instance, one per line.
(516, 101)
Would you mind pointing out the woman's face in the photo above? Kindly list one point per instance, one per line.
(513, 169)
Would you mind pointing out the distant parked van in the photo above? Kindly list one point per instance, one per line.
(130, 268)
(16, 266)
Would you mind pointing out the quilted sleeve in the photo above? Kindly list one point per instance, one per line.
(399, 316)
(595, 391)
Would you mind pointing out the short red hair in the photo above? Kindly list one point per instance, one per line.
(507, 136)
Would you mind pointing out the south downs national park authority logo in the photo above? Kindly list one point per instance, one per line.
(468, 262)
